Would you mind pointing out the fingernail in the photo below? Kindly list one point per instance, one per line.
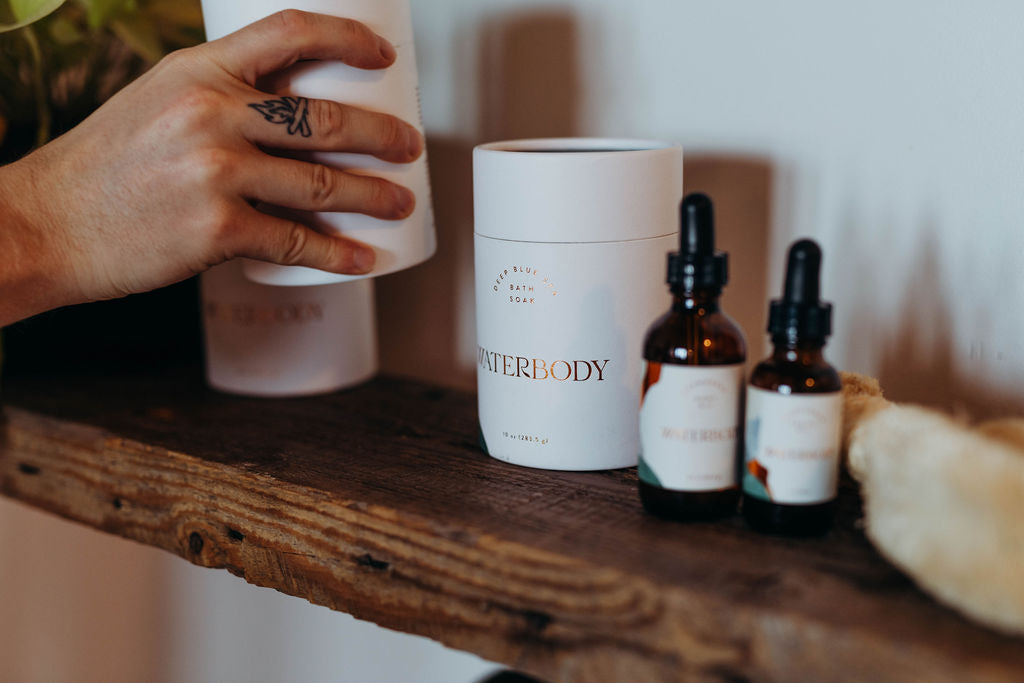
(406, 201)
(387, 50)
(363, 259)
(415, 143)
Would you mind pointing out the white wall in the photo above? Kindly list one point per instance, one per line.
(224, 630)
(77, 605)
(80, 606)
(893, 132)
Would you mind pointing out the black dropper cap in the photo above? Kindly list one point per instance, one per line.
(697, 265)
(801, 315)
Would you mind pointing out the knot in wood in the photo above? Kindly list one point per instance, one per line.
(536, 621)
(195, 543)
(368, 560)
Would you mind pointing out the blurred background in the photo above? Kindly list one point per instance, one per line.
(893, 133)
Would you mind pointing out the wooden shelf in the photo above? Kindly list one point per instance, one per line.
(377, 502)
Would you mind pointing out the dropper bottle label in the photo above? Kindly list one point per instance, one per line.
(689, 426)
(792, 446)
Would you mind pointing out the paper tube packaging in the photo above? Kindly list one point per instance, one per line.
(286, 341)
(570, 244)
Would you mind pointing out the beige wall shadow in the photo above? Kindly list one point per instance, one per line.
(425, 314)
(527, 87)
(741, 188)
(529, 78)
(920, 362)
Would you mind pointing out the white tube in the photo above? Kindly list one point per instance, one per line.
(286, 341)
(398, 244)
(571, 238)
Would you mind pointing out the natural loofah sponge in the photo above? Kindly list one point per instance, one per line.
(862, 397)
(944, 502)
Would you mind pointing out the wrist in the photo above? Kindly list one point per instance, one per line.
(29, 269)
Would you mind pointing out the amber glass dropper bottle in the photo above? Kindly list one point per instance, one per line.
(692, 391)
(794, 409)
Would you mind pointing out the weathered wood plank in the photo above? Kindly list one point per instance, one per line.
(377, 502)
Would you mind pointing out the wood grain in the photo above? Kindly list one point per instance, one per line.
(378, 503)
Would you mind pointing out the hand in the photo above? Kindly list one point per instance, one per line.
(160, 182)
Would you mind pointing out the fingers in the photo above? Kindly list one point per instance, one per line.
(315, 187)
(287, 122)
(290, 243)
(284, 38)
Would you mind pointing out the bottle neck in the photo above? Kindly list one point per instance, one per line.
(804, 352)
(698, 300)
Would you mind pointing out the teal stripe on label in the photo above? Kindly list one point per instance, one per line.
(646, 474)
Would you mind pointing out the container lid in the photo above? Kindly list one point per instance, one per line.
(577, 189)
(697, 265)
(801, 315)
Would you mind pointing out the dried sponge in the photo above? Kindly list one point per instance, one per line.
(943, 502)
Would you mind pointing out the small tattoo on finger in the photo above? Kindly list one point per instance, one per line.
(293, 111)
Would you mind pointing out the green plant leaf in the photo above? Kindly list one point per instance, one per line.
(180, 13)
(65, 32)
(177, 23)
(26, 12)
(31, 10)
(140, 36)
(102, 11)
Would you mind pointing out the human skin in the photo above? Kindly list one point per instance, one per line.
(160, 183)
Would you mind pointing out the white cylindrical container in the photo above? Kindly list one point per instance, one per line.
(395, 90)
(286, 341)
(571, 238)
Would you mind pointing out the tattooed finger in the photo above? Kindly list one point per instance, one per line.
(338, 127)
(290, 111)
